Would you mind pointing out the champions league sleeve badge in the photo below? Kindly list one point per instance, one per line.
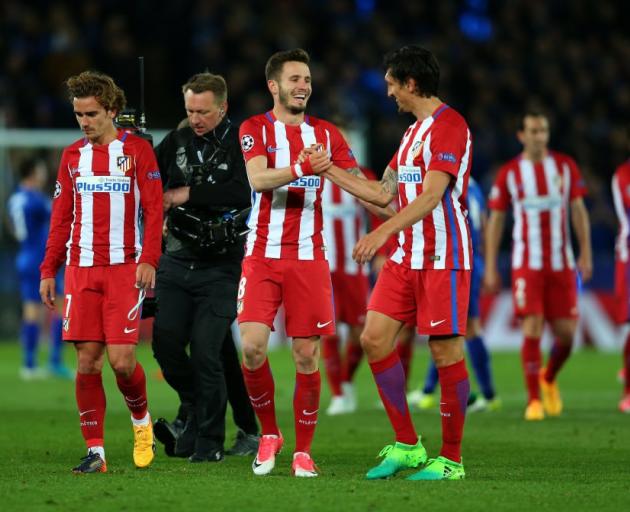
(57, 192)
(247, 143)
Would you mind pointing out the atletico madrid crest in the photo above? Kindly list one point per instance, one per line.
(66, 324)
(123, 163)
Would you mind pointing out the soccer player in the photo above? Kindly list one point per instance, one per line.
(29, 210)
(475, 346)
(285, 255)
(105, 181)
(344, 225)
(621, 196)
(427, 279)
(544, 188)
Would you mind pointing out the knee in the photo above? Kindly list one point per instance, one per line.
(254, 354)
(306, 356)
(88, 364)
(372, 345)
(123, 367)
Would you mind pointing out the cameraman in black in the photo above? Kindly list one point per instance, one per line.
(206, 203)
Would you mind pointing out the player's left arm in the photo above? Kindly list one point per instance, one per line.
(433, 189)
(582, 227)
(150, 186)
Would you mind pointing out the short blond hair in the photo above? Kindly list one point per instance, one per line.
(202, 82)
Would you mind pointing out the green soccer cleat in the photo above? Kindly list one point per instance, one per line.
(397, 457)
(440, 468)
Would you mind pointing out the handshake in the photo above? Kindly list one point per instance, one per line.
(310, 161)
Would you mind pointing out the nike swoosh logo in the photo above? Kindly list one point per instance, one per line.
(258, 397)
(320, 325)
(85, 412)
(127, 331)
(307, 413)
(433, 324)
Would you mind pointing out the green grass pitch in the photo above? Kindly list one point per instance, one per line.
(580, 461)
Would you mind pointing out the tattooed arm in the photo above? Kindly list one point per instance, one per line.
(370, 191)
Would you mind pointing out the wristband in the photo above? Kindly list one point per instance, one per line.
(296, 170)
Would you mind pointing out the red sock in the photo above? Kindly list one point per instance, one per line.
(134, 389)
(390, 382)
(261, 389)
(530, 357)
(560, 352)
(454, 399)
(332, 363)
(305, 407)
(91, 402)
(405, 352)
(626, 365)
(354, 354)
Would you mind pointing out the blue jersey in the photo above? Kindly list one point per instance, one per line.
(30, 215)
(476, 212)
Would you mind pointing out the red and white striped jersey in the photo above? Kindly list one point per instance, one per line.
(540, 194)
(344, 224)
(286, 223)
(621, 196)
(99, 192)
(441, 240)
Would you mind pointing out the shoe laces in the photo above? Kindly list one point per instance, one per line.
(142, 437)
(267, 447)
(385, 451)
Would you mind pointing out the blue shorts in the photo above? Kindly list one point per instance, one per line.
(29, 284)
(475, 292)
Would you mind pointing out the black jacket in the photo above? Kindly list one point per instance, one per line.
(220, 186)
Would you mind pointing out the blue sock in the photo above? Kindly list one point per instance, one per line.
(480, 360)
(56, 341)
(29, 336)
(431, 380)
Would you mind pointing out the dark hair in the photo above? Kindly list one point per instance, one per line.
(99, 85)
(532, 110)
(27, 167)
(414, 62)
(273, 68)
(202, 82)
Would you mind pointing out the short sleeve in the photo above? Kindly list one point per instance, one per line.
(251, 139)
(578, 186)
(393, 163)
(340, 153)
(449, 142)
(499, 198)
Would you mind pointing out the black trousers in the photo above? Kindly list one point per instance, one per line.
(196, 307)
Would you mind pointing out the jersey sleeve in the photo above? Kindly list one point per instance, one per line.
(60, 221)
(340, 153)
(578, 186)
(499, 198)
(251, 139)
(449, 145)
(393, 163)
(149, 183)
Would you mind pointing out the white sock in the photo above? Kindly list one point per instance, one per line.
(97, 449)
(141, 422)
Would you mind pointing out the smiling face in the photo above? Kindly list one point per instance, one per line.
(95, 121)
(403, 93)
(293, 89)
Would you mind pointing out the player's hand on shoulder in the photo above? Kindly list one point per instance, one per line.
(47, 292)
(145, 276)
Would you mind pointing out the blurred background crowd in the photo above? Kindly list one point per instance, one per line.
(573, 58)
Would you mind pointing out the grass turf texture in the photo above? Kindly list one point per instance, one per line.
(576, 462)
